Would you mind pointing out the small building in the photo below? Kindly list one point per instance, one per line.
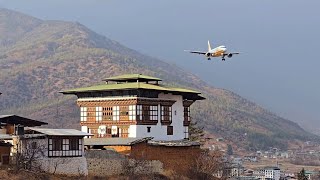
(135, 106)
(10, 125)
(58, 151)
(269, 172)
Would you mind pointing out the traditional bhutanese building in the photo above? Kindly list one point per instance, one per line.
(135, 105)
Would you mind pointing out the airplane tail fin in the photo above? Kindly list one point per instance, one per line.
(209, 46)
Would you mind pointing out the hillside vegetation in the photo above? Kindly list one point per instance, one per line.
(40, 58)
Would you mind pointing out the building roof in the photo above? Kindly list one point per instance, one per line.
(181, 143)
(14, 119)
(132, 77)
(128, 86)
(5, 137)
(114, 141)
(60, 132)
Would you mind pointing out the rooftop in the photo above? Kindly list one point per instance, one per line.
(60, 132)
(180, 143)
(127, 86)
(132, 78)
(14, 119)
(114, 141)
(5, 137)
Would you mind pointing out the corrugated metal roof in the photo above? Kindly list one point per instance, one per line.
(60, 132)
(114, 141)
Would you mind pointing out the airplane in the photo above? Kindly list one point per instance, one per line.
(220, 51)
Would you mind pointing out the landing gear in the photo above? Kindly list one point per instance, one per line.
(209, 58)
(223, 59)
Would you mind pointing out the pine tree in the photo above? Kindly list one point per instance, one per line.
(302, 175)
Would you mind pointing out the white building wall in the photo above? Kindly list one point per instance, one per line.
(58, 165)
(132, 131)
(159, 131)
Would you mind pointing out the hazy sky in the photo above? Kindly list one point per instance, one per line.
(279, 41)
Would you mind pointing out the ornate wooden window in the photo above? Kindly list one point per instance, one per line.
(186, 115)
(124, 113)
(91, 114)
(64, 146)
(99, 114)
(57, 144)
(169, 130)
(166, 114)
(145, 113)
(107, 113)
(124, 132)
(83, 113)
(116, 113)
(132, 112)
(154, 113)
(74, 144)
(139, 112)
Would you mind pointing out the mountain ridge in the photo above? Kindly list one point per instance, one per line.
(57, 55)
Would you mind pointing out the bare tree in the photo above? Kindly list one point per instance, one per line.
(28, 154)
(55, 162)
(209, 165)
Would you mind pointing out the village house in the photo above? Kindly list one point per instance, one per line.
(135, 106)
(58, 151)
(268, 172)
(137, 116)
(10, 125)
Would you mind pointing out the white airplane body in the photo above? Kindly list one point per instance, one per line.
(220, 51)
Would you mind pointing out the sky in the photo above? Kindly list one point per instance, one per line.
(278, 67)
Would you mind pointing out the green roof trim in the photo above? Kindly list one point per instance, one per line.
(124, 86)
(131, 77)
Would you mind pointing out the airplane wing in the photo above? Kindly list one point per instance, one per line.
(231, 53)
(196, 52)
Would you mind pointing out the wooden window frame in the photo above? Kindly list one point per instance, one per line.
(99, 114)
(65, 149)
(83, 113)
(166, 114)
(154, 113)
(116, 113)
(186, 116)
(132, 112)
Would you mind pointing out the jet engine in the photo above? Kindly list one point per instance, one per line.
(229, 55)
(208, 54)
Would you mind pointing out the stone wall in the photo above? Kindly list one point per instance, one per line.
(65, 165)
(109, 162)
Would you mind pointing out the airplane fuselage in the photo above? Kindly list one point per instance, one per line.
(217, 52)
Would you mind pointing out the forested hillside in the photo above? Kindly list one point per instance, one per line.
(40, 58)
